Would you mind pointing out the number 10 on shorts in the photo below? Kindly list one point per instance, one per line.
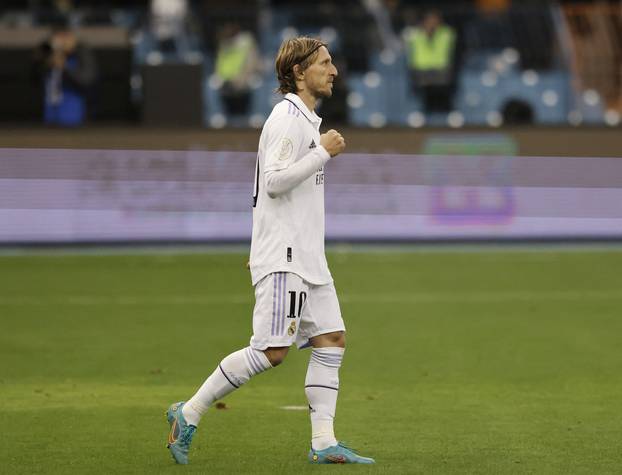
(296, 302)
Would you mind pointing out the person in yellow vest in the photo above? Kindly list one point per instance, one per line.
(237, 64)
(430, 49)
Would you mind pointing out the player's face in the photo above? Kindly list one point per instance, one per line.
(320, 75)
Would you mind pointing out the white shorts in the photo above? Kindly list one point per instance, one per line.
(289, 309)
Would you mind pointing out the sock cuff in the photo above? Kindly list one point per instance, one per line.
(257, 360)
(328, 356)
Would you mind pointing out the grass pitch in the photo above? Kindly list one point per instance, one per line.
(458, 362)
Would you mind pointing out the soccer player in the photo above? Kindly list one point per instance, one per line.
(295, 299)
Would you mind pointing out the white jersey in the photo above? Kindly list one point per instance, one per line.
(288, 229)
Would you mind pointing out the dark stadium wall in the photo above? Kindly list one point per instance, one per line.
(579, 142)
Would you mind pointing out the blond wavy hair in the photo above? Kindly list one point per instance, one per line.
(302, 51)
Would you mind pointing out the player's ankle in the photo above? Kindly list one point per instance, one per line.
(321, 443)
(191, 415)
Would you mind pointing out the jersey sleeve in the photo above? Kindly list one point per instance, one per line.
(285, 135)
(282, 181)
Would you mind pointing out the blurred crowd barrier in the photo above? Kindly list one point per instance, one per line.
(401, 63)
(463, 188)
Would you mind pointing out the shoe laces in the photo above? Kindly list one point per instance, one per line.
(187, 434)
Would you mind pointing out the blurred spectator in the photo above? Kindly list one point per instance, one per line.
(254, 17)
(430, 50)
(67, 70)
(169, 26)
(237, 66)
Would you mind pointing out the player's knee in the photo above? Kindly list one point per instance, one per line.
(330, 339)
(338, 339)
(276, 355)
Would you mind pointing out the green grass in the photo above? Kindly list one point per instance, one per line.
(458, 362)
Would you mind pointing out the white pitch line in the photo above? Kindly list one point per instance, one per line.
(383, 298)
(294, 408)
(88, 300)
(477, 297)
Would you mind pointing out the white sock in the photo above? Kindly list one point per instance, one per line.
(232, 372)
(322, 388)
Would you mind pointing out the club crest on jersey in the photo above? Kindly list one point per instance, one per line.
(292, 329)
(287, 147)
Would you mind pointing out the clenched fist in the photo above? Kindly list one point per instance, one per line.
(333, 142)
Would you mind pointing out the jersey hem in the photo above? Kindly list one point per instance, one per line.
(311, 280)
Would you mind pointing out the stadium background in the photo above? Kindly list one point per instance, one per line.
(123, 239)
(524, 80)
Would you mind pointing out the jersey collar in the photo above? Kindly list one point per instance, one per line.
(311, 116)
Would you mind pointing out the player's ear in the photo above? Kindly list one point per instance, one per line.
(298, 72)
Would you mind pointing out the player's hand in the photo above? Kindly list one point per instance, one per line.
(333, 142)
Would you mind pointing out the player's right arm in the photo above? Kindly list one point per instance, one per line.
(282, 171)
(333, 142)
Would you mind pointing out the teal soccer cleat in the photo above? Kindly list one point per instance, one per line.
(339, 453)
(180, 436)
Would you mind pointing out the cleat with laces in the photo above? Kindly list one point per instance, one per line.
(180, 436)
(339, 453)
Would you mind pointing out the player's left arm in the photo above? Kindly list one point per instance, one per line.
(280, 181)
